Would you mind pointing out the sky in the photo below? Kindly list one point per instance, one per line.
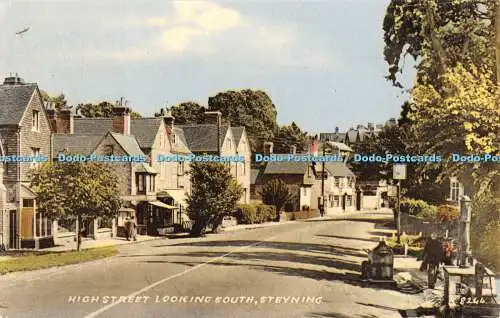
(321, 62)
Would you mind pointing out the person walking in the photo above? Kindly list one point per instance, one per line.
(133, 228)
(127, 229)
(433, 256)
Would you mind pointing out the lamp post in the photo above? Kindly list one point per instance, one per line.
(398, 173)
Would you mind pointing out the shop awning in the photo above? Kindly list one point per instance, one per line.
(162, 205)
(176, 194)
(126, 210)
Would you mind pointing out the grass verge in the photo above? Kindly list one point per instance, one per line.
(414, 242)
(34, 262)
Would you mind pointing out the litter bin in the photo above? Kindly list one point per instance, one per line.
(381, 265)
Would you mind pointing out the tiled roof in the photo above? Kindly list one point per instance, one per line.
(13, 101)
(337, 137)
(201, 138)
(92, 126)
(80, 144)
(286, 167)
(338, 169)
(128, 143)
(237, 133)
(145, 130)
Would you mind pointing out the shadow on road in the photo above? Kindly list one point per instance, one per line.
(372, 239)
(337, 315)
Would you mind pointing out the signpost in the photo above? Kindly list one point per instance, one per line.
(398, 173)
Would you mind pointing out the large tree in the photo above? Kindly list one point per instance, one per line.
(79, 190)
(214, 194)
(438, 34)
(187, 113)
(252, 109)
(102, 109)
(288, 136)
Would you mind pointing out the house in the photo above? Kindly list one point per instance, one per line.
(25, 133)
(153, 191)
(339, 187)
(215, 138)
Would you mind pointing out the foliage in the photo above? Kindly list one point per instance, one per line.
(214, 193)
(47, 260)
(417, 208)
(300, 215)
(488, 251)
(187, 113)
(59, 100)
(102, 109)
(276, 192)
(462, 116)
(252, 109)
(255, 213)
(447, 213)
(246, 214)
(288, 136)
(76, 190)
(438, 34)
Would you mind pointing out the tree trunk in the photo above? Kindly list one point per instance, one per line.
(79, 224)
(198, 228)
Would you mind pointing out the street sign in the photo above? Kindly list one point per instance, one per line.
(399, 171)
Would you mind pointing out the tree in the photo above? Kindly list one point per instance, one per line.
(438, 34)
(252, 109)
(187, 113)
(103, 109)
(79, 190)
(462, 116)
(276, 192)
(214, 195)
(290, 135)
(59, 100)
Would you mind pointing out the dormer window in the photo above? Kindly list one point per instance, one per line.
(174, 141)
(35, 124)
(108, 150)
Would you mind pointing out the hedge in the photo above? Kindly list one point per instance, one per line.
(255, 213)
(419, 208)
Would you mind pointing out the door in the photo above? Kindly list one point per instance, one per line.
(13, 234)
(358, 200)
(343, 201)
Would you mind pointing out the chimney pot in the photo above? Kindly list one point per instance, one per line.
(268, 148)
(121, 119)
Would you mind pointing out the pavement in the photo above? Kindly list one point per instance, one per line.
(307, 268)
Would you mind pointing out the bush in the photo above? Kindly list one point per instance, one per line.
(447, 213)
(489, 252)
(265, 213)
(246, 214)
(419, 208)
(254, 214)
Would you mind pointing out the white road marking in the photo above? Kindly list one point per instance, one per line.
(145, 289)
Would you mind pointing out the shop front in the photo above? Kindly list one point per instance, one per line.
(154, 218)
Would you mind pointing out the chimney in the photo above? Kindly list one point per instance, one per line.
(13, 80)
(168, 118)
(51, 116)
(215, 118)
(337, 129)
(64, 121)
(268, 148)
(293, 150)
(121, 118)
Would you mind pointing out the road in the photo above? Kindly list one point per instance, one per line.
(305, 269)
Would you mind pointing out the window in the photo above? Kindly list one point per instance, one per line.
(336, 201)
(348, 200)
(337, 182)
(35, 152)
(141, 183)
(252, 190)
(108, 150)
(330, 198)
(180, 168)
(35, 124)
(304, 191)
(151, 183)
(174, 141)
(350, 182)
(28, 203)
(455, 190)
(104, 223)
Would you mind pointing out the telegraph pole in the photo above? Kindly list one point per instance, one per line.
(322, 211)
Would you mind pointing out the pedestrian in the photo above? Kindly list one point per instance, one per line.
(433, 256)
(127, 228)
(133, 228)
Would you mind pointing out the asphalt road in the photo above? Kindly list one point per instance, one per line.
(305, 269)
